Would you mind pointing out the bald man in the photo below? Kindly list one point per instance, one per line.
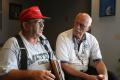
(75, 47)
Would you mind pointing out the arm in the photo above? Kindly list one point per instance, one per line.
(63, 51)
(101, 69)
(97, 58)
(77, 73)
(28, 75)
(9, 65)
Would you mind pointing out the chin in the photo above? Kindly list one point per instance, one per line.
(78, 33)
(39, 34)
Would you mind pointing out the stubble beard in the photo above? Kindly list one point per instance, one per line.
(35, 33)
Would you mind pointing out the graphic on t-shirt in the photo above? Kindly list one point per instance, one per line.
(42, 58)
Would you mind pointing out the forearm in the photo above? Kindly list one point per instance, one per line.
(73, 72)
(18, 75)
(29, 75)
(101, 68)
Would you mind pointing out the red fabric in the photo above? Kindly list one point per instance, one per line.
(31, 13)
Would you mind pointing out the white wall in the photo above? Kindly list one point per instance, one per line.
(107, 31)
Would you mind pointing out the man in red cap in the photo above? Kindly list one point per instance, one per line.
(31, 60)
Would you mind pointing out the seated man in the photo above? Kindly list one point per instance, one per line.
(75, 47)
(33, 62)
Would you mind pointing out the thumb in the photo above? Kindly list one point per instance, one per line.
(101, 76)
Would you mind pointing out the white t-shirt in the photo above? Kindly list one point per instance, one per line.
(38, 57)
(66, 53)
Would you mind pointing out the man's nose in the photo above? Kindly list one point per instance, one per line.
(78, 27)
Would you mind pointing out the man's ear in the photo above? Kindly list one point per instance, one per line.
(89, 29)
(25, 26)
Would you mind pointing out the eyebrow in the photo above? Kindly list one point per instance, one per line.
(80, 23)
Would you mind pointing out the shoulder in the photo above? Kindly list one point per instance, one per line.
(66, 34)
(92, 40)
(11, 42)
(90, 36)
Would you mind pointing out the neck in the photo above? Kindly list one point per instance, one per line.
(79, 37)
(29, 38)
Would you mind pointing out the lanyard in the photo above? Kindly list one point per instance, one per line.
(77, 45)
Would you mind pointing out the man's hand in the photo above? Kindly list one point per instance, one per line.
(91, 77)
(42, 75)
(101, 77)
(94, 77)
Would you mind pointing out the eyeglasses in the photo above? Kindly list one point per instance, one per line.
(79, 24)
(37, 22)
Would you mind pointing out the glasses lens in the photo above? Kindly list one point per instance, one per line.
(37, 23)
(41, 24)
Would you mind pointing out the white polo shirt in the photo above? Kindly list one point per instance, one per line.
(38, 57)
(66, 53)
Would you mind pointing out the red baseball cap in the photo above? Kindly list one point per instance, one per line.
(32, 12)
